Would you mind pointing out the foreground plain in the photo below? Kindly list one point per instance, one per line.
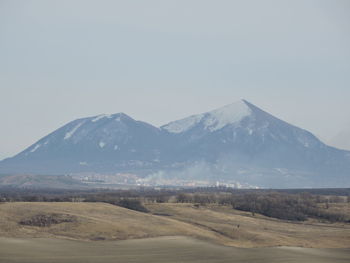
(162, 249)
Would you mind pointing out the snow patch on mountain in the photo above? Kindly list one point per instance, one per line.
(72, 131)
(99, 117)
(184, 124)
(229, 114)
(213, 120)
(36, 147)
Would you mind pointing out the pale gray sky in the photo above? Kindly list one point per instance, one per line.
(163, 60)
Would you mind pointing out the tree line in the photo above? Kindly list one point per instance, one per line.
(297, 205)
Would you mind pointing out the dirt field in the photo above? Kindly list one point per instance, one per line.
(163, 249)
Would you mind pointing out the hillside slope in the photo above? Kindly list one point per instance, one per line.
(99, 221)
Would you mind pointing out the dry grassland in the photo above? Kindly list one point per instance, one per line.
(156, 250)
(217, 224)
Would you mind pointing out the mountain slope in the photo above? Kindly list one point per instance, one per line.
(236, 143)
(342, 140)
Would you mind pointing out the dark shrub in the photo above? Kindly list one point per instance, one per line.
(133, 204)
(43, 220)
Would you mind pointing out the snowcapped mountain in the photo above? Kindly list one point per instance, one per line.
(244, 129)
(235, 143)
(102, 143)
(244, 142)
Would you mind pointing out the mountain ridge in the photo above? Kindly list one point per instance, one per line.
(237, 142)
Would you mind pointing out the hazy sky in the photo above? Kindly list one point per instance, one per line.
(158, 61)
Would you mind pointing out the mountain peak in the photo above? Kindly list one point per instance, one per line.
(101, 116)
(117, 116)
(229, 114)
(212, 120)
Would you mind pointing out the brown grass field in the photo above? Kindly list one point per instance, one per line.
(161, 249)
(175, 232)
